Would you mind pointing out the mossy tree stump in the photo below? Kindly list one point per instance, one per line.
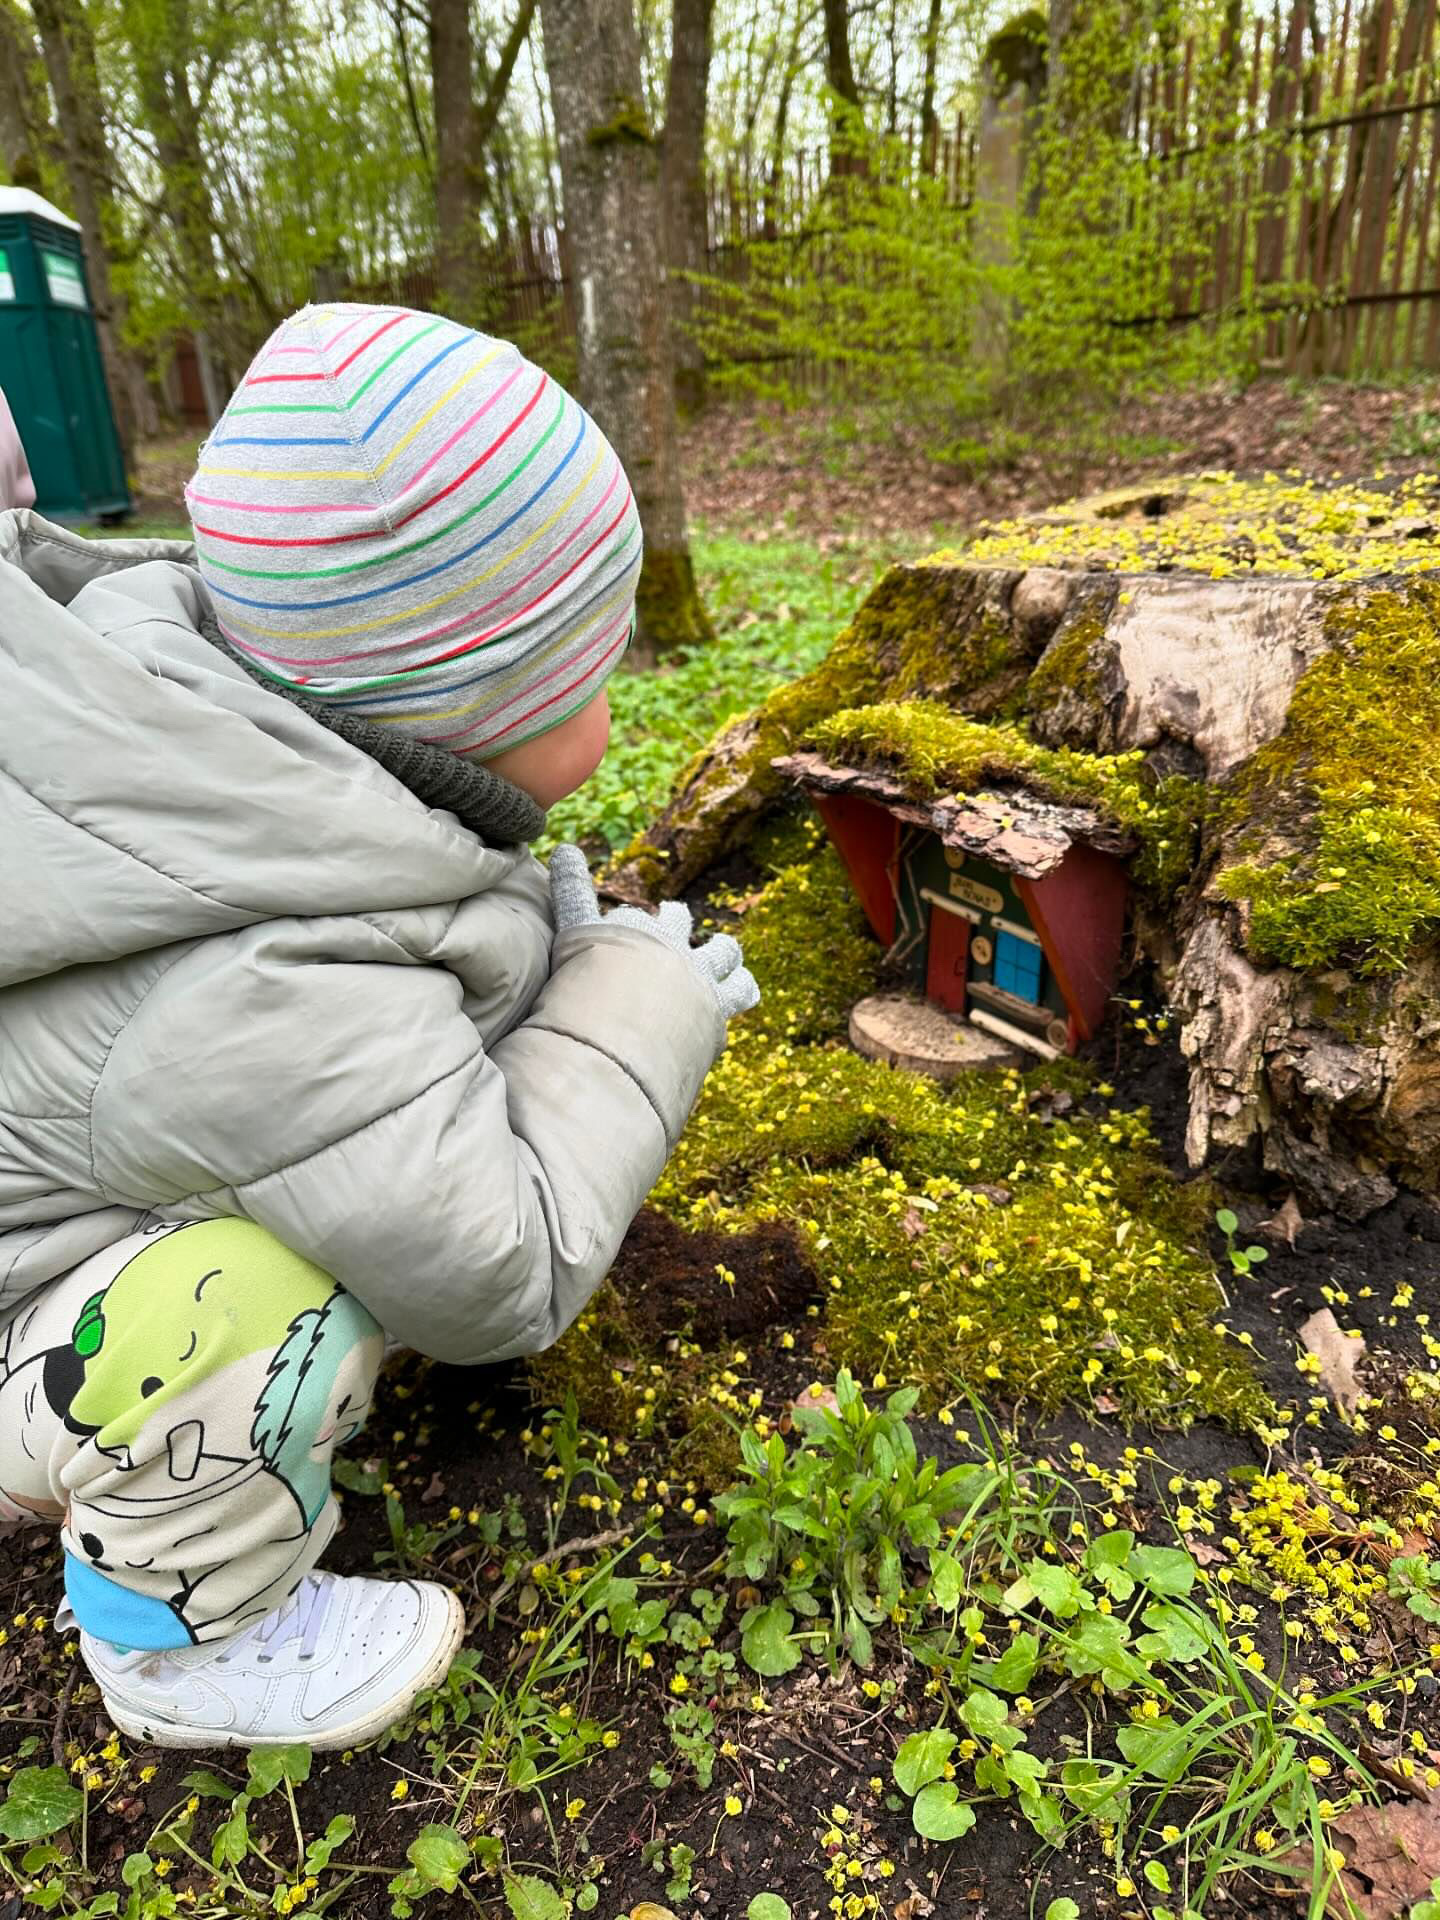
(1290, 869)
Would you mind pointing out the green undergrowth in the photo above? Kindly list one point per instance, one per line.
(1351, 790)
(936, 751)
(1008, 1229)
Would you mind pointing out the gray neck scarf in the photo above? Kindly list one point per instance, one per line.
(494, 809)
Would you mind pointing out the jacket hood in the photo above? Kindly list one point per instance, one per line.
(150, 791)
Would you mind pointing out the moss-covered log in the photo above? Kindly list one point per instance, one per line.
(939, 631)
(1269, 742)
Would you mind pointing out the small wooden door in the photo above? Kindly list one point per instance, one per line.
(946, 959)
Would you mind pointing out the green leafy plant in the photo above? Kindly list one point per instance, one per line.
(1416, 1581)
(768, 1906)
(678, 1861)
(1242, 1259)
(38, 1802)
(830, 1520)
(414, 1544)
(575, 1456)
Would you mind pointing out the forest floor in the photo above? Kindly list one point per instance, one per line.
(1162, 1644)
(819, 473)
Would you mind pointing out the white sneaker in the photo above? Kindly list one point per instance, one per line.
(334, 1665)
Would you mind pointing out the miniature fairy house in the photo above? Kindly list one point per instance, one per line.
(1001, 909)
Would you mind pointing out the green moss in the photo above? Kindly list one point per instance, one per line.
(807, 939)
(1069, 666)
(634, 1388)
(918, 634)
(1092, 1285)
(937, 751)
(671, 615)
(1277, 524)
(880, 1172)
(1351, 790)
(628, 122)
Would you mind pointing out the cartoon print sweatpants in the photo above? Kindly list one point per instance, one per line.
(174, 1404)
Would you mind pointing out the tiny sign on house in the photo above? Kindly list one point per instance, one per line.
(1000, 908)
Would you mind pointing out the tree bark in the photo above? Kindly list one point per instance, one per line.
(929, 122)
(459, 286)
(774, 189)
(69, 51)
(840, 77)
(682, 186)
(24, 119)
(610, 179)
(464, 128)
(162, 48)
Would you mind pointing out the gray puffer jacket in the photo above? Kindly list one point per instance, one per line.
(244, 970)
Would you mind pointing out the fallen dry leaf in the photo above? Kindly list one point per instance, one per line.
(1338, 1353)
(1391, 1856)
(1409, 1785)
(647, 1910)
(912, 1226)
(1202, 1553)
(825, 1399)
(1285, 1222)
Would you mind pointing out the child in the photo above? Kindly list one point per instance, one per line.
(299, 1045)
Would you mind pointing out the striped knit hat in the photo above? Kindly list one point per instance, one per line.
(410, 522)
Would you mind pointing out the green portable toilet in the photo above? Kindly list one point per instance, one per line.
(50, 365)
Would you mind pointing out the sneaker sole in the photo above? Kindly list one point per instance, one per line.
(155, 1732)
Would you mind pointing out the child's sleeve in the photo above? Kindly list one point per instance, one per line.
(327, 1081)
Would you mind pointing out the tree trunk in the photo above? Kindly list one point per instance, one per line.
(459, 286)
(161, 46)
(609, 174)
(24, 118)
(464, 127)
(840, 78)
(69, 53)
(929, 121)
(774, 189)
(682, 186)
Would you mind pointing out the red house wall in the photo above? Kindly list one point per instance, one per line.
(1079, 913)
(867, 839)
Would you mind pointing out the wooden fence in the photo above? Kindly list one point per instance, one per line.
(1315, 131)
(1329, 169)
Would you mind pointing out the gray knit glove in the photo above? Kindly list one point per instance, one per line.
(718, 960)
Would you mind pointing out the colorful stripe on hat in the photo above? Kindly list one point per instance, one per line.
(409, 519)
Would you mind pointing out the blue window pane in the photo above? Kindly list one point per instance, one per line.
(1017, 966)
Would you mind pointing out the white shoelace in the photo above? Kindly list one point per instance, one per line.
(302, 1616)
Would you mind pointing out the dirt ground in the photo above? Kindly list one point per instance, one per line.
(448, 1439)
(452, 1441)
(771, 474)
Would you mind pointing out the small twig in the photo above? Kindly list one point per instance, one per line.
(591, 1544)
(57, 1738)
(814, 1738)
(763, 1787)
